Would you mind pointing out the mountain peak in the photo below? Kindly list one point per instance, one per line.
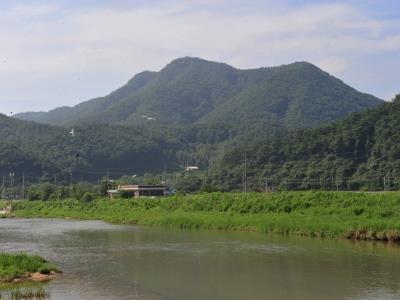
(192, 90)
(195, 62)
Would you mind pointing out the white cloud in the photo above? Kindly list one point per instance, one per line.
(25, 10)
(108, 42)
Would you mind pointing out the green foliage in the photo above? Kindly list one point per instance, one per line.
(346, 214)
(359, 152)
(16, 265)
(43, 151)
(87, 197)
(188, 183)
(47, 268)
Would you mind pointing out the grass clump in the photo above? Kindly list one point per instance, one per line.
(18, 265)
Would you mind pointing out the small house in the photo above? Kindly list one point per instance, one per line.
(136, 190)
(191, 168)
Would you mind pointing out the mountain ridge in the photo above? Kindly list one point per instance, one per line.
(191, 90)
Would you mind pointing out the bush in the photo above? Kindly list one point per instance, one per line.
(87, 197)
(16, 265)
(47, 268)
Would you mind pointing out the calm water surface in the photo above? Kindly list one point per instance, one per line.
(102, 261)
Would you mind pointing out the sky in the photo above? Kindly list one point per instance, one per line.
(61, 53)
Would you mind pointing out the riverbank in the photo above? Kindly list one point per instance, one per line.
(20, 267)
(367, 216)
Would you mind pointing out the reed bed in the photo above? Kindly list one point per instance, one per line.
(352, 215)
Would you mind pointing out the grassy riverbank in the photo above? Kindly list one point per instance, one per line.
(22, 266)
(374, 216)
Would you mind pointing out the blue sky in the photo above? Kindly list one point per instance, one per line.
(55, 53)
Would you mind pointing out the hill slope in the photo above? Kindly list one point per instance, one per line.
(361, 151)
(194, 91)
(45, 151)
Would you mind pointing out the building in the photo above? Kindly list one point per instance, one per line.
(112, 194)
(137, 191)
(191, 168)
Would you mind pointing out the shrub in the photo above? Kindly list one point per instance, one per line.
(87, 197)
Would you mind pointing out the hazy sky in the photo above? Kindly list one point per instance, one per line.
(55, 53)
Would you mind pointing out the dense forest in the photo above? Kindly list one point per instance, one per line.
(359, 152)
(43, 151)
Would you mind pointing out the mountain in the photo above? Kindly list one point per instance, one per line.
(360, 152)
(192, 91)
(208, 114)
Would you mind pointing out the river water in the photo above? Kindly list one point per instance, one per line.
(103, 261)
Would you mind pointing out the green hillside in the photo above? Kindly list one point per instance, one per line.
(45, 151)
(360, 152)
(191, 91)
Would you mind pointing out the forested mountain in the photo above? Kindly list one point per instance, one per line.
(192, 91)
(47, 151)
(212, 115)
(359, 152)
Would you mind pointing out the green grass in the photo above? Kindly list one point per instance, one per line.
(374, 216)
(17, 265)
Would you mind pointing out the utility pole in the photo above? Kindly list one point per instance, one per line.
(384, 183)
(245, 174)
(165, 174)
(3, 188)
(23, 185)
(337, 183)
(11, 182)
(388, 182)
(266, 184)
(108, 183)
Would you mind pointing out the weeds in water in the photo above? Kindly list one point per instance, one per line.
(28, 293)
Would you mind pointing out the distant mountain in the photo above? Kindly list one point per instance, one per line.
(192, 91)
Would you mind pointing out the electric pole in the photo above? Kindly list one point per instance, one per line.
(11, 182)
(245, 175)
(3, 193)
(23, 185)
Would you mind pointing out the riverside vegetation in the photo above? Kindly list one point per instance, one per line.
(20, 266)
(26, 292)
(353, 215)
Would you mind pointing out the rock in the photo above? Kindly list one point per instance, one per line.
(41, 277)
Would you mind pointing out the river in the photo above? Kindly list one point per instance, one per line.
(104, 261)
